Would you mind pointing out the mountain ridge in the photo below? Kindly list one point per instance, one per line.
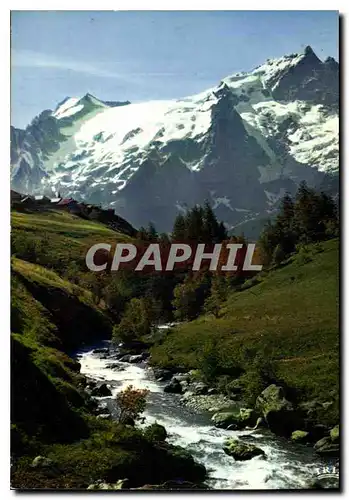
(241, 144)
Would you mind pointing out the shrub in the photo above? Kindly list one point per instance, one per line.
(209, 361)
(136, 321)
(278, 255)
(131, 403)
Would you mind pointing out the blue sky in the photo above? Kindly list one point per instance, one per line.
(149, 55)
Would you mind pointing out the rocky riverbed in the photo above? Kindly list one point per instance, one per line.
(280, 464)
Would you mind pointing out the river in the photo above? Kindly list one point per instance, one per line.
(288, 465)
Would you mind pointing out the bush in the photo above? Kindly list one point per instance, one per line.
(278, 255)
(209, 361)
(189, 296)
(136, 321)
(131, 403)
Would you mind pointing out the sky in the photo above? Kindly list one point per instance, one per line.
(144, 55)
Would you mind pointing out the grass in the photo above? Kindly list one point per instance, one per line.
(288, 317)
(51, 310)
(65, 238)
(50, 413)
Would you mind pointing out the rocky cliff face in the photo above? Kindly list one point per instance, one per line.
(241, 145)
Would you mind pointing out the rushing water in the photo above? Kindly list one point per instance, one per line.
(287, 465)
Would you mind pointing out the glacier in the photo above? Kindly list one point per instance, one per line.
(241, 145)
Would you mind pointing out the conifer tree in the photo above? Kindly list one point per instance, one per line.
(179, 232)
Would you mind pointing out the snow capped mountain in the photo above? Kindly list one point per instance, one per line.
(241, 144)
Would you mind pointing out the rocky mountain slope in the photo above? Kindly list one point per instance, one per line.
(241, 145)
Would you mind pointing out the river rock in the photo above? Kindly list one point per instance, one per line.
(235, 389)
(247, 417)
(174, 486)
(173, 387)
(318, 431)
(136, 358)
(199, 388)
(116, 366)
(104, 416)
(240, 450)
(325, 482)
(155, 432)
(300, 436)
(46, 466)
(161, 374)
(326, 448)
(334, 434)
(223, 420)
(235, 419)
(101, 350)
(125, 358)
(91, 384)
(42, 462)
(277, 410)
(133, 347)
(259, 424)
(101, 391)
(121, 484)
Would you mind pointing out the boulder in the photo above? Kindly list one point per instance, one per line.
(325, 482)
(235, 389)
(101, 350)
(155, 432)
(233, 427)
(174, 387)
(173, 485)
(195, 375)
(46, 466)
(240, 450)
(136, 358)
(101, 391)
(326, 448)
(318, 431)
(260, 423)
(116, 366)
(300, 436)
(91, 384)
(104, 416)
(182, 377)
(133, 347)
(223, 420)
(121, 484)
(244, 417)
(334, 434)
(42, 462)
(277, 410)
(247, 417)
(162, 374)
(125, 358)
(199, 388)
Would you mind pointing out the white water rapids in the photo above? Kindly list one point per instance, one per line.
(287, 466)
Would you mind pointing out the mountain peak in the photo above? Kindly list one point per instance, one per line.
(310, 56)
(308, 51)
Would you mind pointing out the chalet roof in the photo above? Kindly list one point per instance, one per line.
(40, 197)
(27, 198)
(66, 201)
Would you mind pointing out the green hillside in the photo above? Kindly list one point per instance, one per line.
(56, 307)
(284, 323)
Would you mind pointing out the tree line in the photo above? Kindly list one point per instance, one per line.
(308, 217)
(138, 301)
